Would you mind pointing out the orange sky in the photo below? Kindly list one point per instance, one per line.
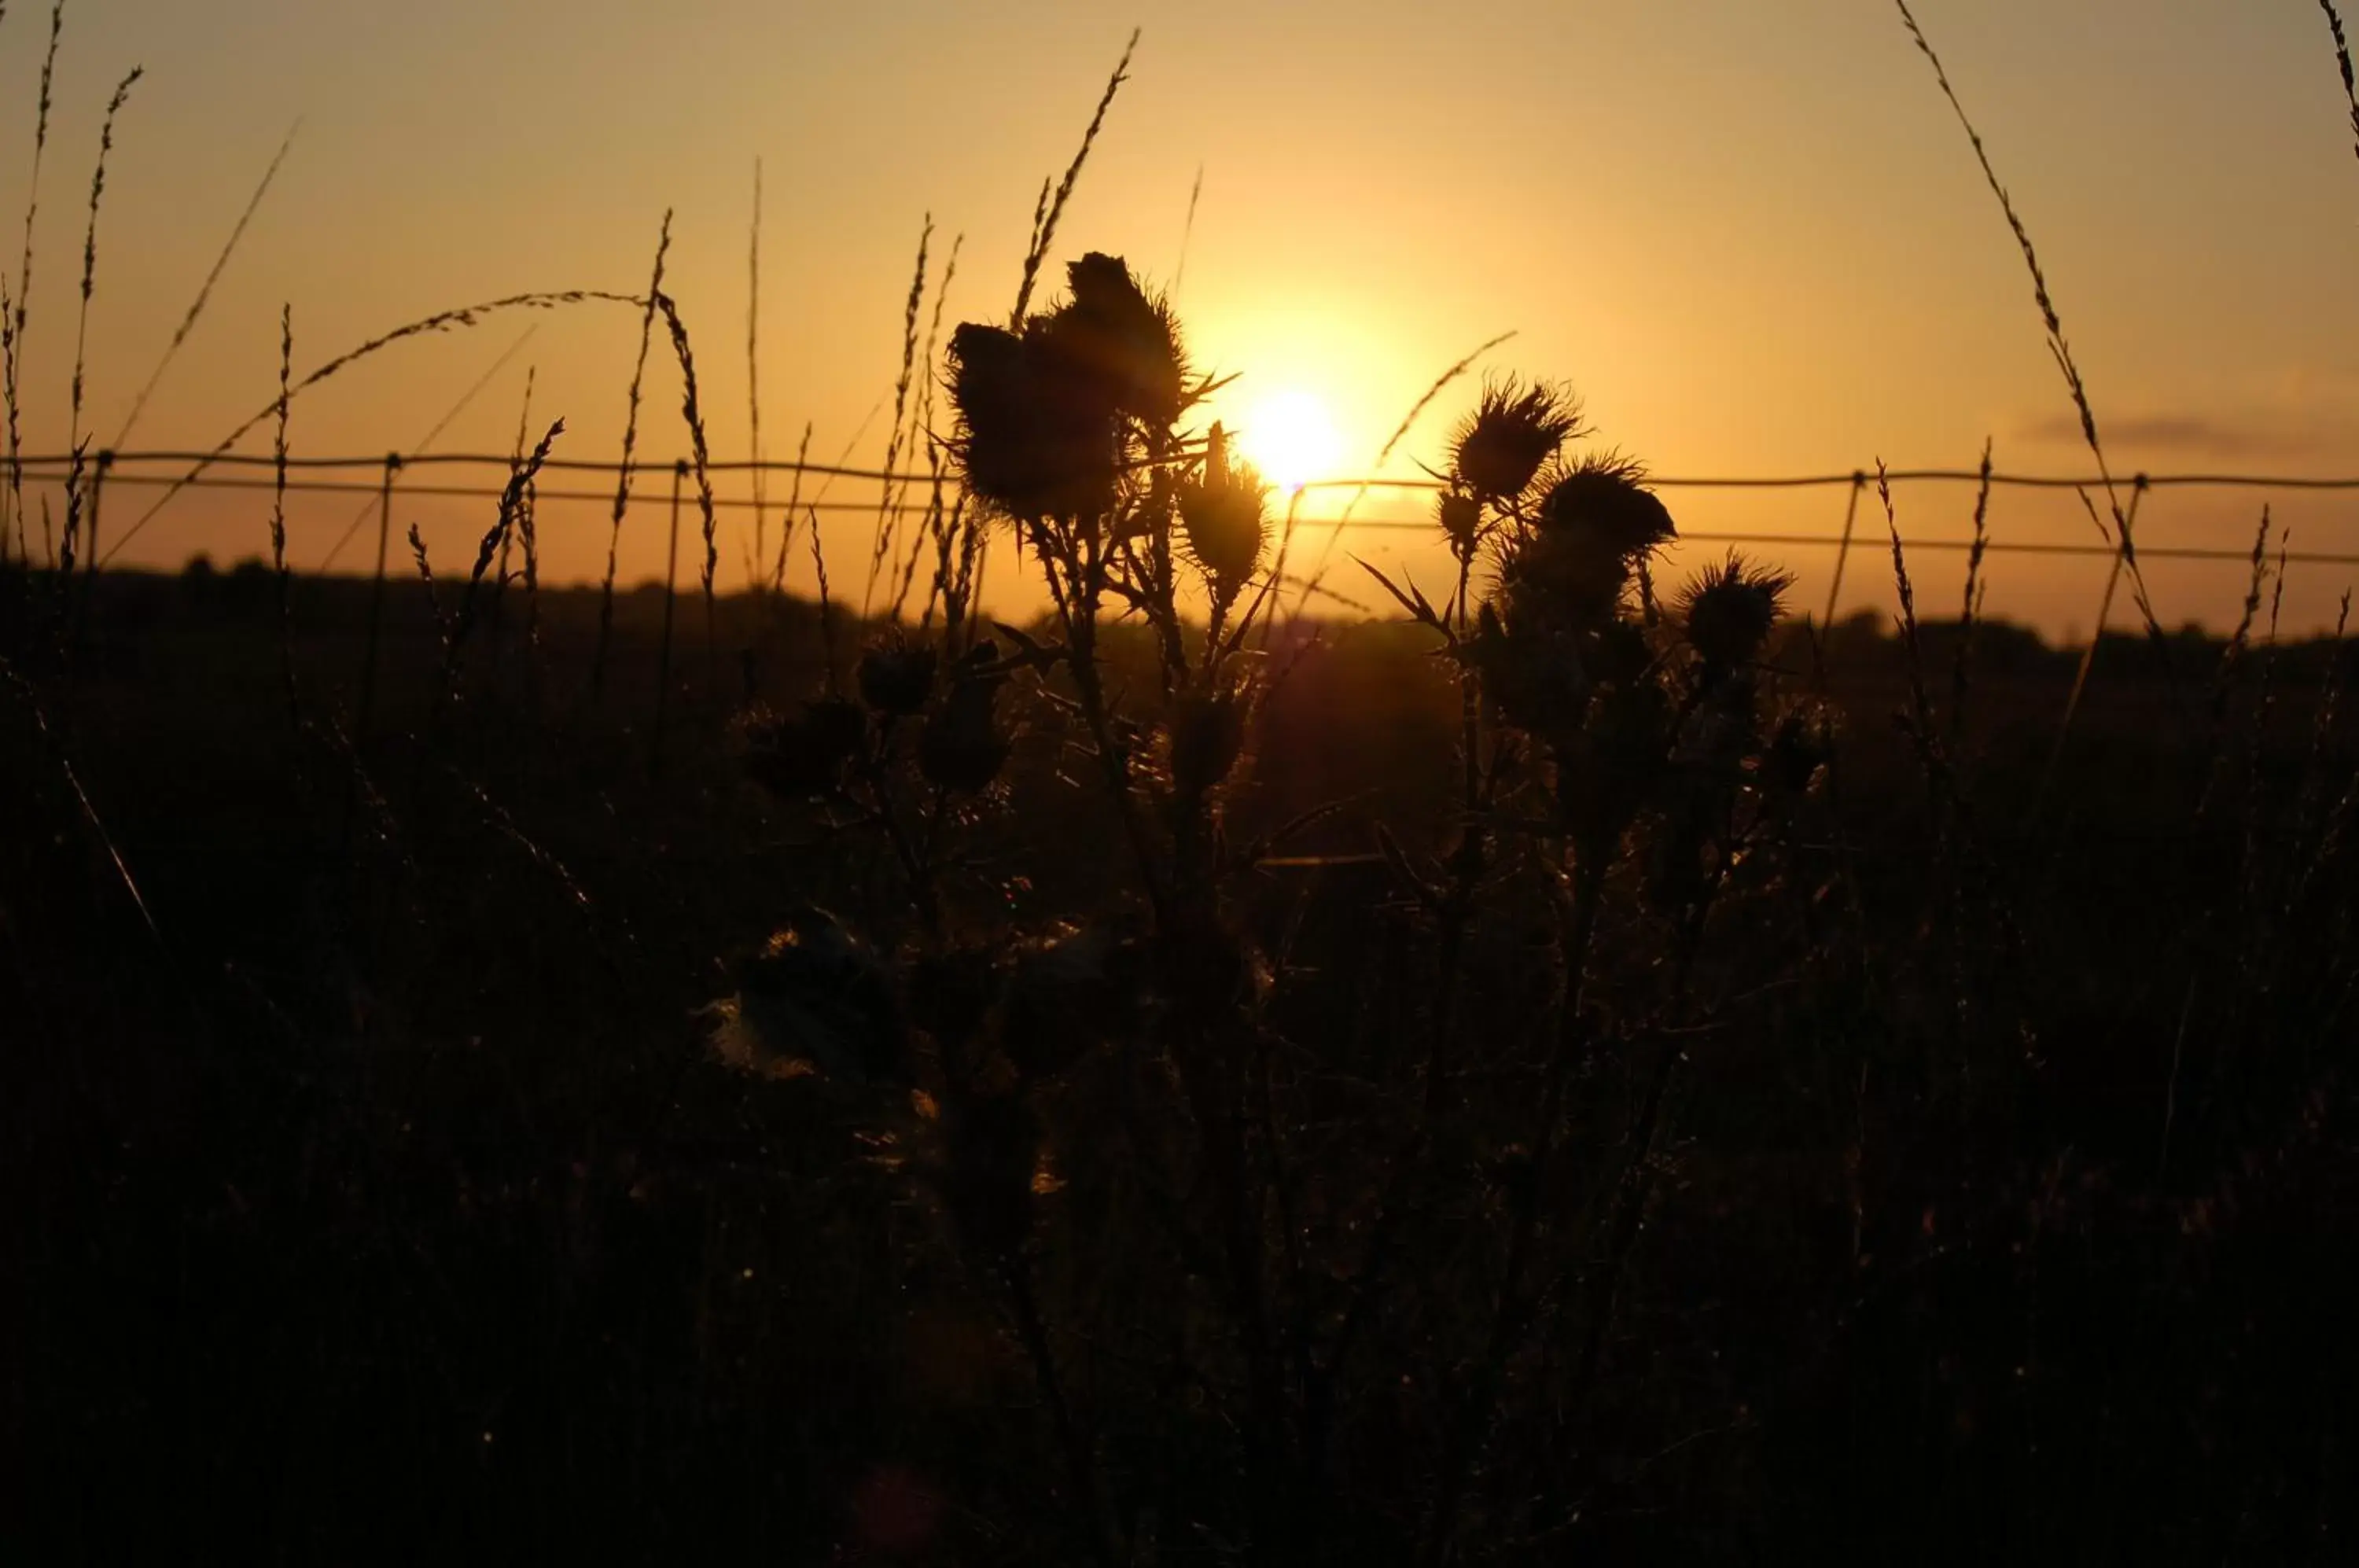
(1750, 233)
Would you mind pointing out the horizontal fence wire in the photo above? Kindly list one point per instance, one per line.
(199, 471)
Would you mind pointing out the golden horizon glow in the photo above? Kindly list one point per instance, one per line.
(1291, 438)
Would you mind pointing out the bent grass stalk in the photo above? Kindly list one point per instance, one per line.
(458, 320)
(2060, 348)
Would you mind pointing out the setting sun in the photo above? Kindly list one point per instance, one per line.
(1292, 439)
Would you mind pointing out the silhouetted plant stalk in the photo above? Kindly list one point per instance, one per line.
(501, 575)
(2060, 348)
(283, 576)
(623, 476)
(495, 539)
(700, 455)
(2343, 59)
(887, 496)
(1970, 609)
(74, 438)
(15, 306)
(761, 482)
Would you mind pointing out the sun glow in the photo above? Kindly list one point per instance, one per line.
(1291, 438)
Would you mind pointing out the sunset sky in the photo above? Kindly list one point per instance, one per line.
(1751, 233)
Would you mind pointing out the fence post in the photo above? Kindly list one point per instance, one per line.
(376, 602)
(671, 599)
(1842, 551)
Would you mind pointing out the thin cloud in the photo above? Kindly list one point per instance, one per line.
(2256, 435)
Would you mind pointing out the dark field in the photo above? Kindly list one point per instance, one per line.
(1923, 1174)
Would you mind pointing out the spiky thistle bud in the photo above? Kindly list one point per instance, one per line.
(963, 749)
(1462, 520)
(1224, 514)
(803, 755)
(1035, 431)
(1515, 429)
(1604, 499)
(1730, 609)
(897, 678)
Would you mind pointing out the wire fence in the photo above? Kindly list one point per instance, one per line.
(907, 493)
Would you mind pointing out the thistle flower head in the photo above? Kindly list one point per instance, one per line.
(897, 677)
(1730, 609)
(1035, 431)
(1604, 499)
(1515, 429)
(1462, 518)
(1225, 518)
(1120, 338)
(962, 747)
(800, 755)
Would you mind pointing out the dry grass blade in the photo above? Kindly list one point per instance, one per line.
(699, 449)
(794, 504)
(278, 505)
(90, 265)
(512, 500)
(205, 291)
(921, 423)
(1044, 226)
(81, 797)
(1921, 704)
(1961, 671)
(2058, 347)
(753, 389)
(630, 451)
(1187, 234)
(2096, 636)
(75, 440)
(2342, 57)
(885, 519)
(464, 317)
(14, 307)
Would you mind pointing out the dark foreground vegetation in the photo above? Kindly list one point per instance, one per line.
(1921, 1166)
